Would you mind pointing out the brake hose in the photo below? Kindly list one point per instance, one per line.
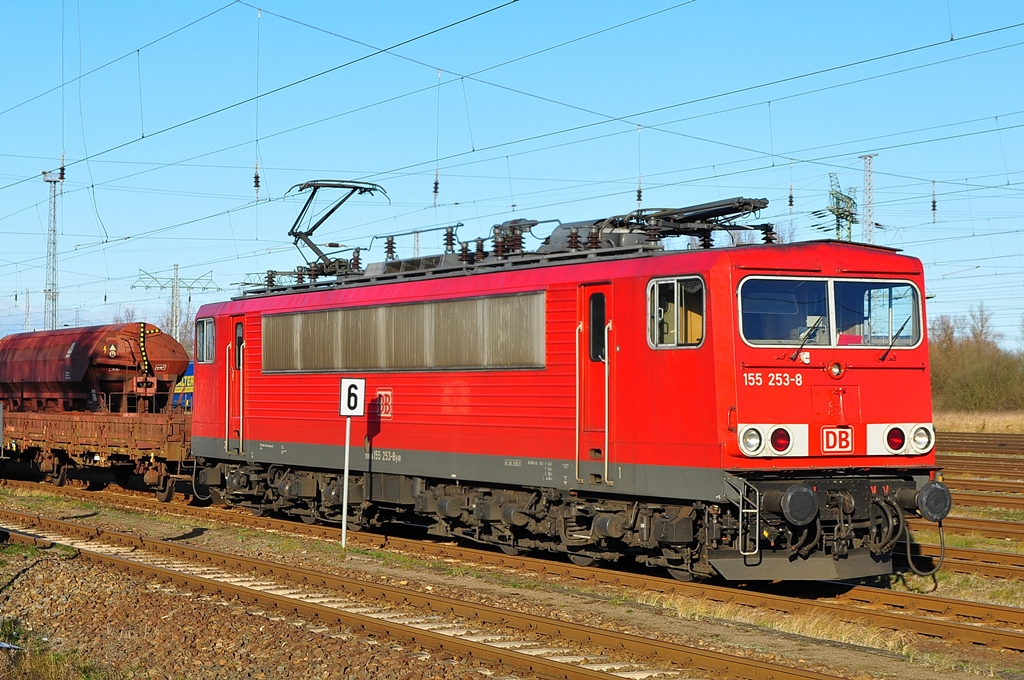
(195, 493)
(900, 524)
(942, 553)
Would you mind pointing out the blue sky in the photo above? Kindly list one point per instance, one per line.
(542, 110)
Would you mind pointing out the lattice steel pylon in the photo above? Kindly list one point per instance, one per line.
(844, 207)
(203, 283)
(50, 308)
(868, 205)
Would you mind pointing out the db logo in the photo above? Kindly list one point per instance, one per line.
(383, 403)
(836, 440)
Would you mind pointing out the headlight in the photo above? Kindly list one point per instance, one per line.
(921, 439)
(751, 441)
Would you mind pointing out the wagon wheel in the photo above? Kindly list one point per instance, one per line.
(122, 476)
(260, 511)
(510, 550)
(165, 494)
(61, 478)
(309, 519)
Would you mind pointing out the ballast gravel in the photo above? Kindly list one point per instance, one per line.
(133, 628)
(144, 631)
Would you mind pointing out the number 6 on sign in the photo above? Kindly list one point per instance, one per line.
(353, 397)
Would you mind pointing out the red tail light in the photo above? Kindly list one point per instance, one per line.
(895, 439)
(780, 439)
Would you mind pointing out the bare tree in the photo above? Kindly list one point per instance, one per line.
(785, 233)
(186, 328)
(127, 314)
(946, 331)
(741, 238)
(980, 328)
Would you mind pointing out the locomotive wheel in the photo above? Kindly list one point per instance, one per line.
(309, 519)
(165, 494)
(510, 550)
(581, 560)
(259, 512)
(680, 575)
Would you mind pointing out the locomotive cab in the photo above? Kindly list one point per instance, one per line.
(833, 440)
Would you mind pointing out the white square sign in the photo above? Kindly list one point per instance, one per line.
(353, 397)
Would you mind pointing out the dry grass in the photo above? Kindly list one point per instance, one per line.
(979, 421)
(971, 541)
(821, 627)
(36, 660)
(969, 587)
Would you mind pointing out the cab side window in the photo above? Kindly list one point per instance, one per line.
(676, 316)
(597, 324)
(205, 341)
(239, 341)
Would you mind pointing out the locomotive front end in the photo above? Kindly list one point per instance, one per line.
(832, 443)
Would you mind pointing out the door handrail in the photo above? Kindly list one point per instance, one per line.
(607, 397)
(241, 396)
(227, 397)
(579, 332)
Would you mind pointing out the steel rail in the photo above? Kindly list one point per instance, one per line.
(980, 442)
(989, 563)
(988, 486)
(690, 658)
(892, 620)
(982, 500)
(1002, 466)
(989, 528)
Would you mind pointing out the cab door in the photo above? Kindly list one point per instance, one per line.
(234, 355)
(594, 371)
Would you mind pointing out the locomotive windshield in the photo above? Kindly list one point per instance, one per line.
(809, 312)
(785, 312)
(876, 313)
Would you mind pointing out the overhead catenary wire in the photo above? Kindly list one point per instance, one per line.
(281, 88)
(107, 64)
(757, 169)
(389, 50)
(578, 127)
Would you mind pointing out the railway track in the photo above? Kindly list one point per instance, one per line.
(998, 466)
(987, 486)
(984, 500)
(937, 618)
(539, 646)
(988, 563)
(989, 528)
(979, 442)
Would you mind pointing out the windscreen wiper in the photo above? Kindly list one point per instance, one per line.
(894, 339)
(811, 332)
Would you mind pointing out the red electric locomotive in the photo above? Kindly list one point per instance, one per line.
(753, 412)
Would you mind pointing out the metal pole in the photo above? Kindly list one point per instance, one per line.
(344, 484)
(175, 306)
